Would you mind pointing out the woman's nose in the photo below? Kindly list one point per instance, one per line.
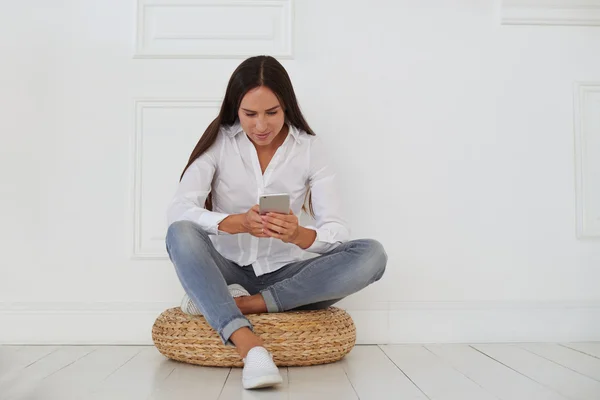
(261, 124)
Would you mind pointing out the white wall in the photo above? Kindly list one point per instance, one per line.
(454, 135)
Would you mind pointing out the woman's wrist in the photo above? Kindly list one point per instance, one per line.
(232, 224)
(305, 238)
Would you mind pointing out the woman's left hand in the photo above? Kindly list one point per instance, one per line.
(281, 226)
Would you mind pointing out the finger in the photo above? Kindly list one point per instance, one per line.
(259, 233)
(278, 218)
(281, 236)
(278, 222)
(254, 211)
(273, 234)
(275, 228)
(255, 208)
(284, 217)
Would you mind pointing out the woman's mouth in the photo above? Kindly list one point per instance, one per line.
(262, 136)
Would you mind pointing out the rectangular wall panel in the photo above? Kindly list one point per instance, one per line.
(166, 133)
(214, 29)
(587, 158)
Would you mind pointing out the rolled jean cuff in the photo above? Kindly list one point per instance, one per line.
(231, 327)
(271, 301)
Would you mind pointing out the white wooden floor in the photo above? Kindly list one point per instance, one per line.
(406, 372)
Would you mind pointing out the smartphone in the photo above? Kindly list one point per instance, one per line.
(277, 203)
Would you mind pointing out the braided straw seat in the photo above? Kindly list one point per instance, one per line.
(295, 338)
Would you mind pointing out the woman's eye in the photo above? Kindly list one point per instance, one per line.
(268, 113)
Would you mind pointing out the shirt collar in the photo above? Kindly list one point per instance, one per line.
(236, 128)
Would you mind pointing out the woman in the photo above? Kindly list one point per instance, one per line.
(261, 144)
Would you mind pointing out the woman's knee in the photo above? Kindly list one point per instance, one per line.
(184, 234)
(374, 258)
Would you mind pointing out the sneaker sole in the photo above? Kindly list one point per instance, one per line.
(262, 381)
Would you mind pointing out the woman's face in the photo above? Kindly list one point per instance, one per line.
(261, 115)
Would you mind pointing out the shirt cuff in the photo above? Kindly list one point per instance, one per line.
(319, 246)
(210, 222)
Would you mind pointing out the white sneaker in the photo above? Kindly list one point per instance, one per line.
(259, 369)
(237, 290)
(188, 306)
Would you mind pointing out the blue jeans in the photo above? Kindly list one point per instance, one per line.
(309, 284)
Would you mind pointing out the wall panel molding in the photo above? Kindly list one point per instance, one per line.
(587, 158)
(551, 12)
(214, 29)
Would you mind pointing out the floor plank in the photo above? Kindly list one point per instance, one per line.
(574, 360)
(375, 377)
(189, 381)
(320, 382)
(32, 374)
(436, 378)
(15, 358)
(7, 356)
(233, 389)
(137, 378)
(81, 376)
(563, 380)
(591, 349)
(496, 378)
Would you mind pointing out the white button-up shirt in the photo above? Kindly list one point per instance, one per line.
(231, 170)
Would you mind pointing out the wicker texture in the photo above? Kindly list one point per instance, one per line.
(295, 338)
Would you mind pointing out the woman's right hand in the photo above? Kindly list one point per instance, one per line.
(252, 223)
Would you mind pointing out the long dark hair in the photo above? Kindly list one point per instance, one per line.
(252, 73)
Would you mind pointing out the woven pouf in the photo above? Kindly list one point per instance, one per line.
(295, 338)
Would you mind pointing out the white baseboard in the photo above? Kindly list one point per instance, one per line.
(556, 12)
(394, 322)
(485, 322)
(79, 323)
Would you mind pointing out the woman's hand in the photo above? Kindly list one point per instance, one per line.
(252, 223)
(281, 226)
